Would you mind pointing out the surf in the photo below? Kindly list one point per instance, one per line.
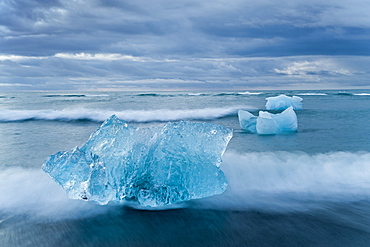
(265, 181)
(99, 115)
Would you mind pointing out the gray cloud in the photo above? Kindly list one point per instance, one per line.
(167, 44)
(91, 72)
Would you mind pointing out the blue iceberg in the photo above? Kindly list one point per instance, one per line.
(267, 123)
(247, 121)
(153, 166)
(282, 102)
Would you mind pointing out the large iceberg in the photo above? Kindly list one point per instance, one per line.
(282, 102)
(152, 166)
(267, 123)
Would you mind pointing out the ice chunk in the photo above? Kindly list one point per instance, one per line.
(152, 166)
(267, 123)
(247, 121)
(282, 102)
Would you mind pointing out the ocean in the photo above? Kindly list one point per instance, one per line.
(309, 188)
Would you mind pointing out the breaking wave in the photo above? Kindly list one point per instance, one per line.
(344, 94)
(64, 95)
(352, 94)
(199, 94)
(312, 94)
(195, 94)
(281, 181)
(239, 93)
(362, 94)
(170, 95)
(293, 181)
(149, 94)
(83, 114)
(30, 191)
(74, 95)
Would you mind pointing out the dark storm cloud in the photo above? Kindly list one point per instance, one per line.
(165, 28)
(176, 44)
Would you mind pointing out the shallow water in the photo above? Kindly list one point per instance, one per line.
(301, 189)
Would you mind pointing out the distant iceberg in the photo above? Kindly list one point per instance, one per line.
(153, 166)
(267, 123)
(282, 102)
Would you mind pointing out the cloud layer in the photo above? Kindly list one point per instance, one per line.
(93, 45)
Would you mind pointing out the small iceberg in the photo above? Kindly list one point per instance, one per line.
(153, 166)
(282, 102)
(247, 121)
(267, 123)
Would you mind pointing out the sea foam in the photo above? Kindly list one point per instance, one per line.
(292, 181)
(100, 115)
(279, 181)
(32, 192)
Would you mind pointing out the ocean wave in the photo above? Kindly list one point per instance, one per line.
(198, 94)
(64, 95)
(362, 94)
(83, 114)
(238, 93)
(293, 181)
(312, 94)
(344, 93)
(279, 181)
(250, 93)
(352, 94)
(149, 94)
(31, 191)
(169, 95)
(74, 95)
(97, 95)
(195, 94)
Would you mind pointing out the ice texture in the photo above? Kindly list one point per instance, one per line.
(267, 123)
(282, 102)
(247, 121)
(153, 166)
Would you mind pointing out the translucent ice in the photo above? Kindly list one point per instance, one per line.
(247, 121)
(267, 123)
(152, 166)
(282, 102)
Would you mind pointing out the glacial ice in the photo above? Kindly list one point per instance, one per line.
(153, 166)
(267, 123)
(282, 102)
(247, 121)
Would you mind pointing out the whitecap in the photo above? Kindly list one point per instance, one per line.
(100, 115)
(292, 181)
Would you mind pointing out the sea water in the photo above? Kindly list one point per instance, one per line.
(307, 188)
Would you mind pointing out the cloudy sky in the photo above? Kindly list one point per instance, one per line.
(184, 44)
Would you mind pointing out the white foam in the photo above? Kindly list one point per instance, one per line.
(127, 115)
(196, 94)
(312, 94)
(31, 191)
(250, 93)
(239, 93)
(280, 181)
(292, 181)
(362, 94)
